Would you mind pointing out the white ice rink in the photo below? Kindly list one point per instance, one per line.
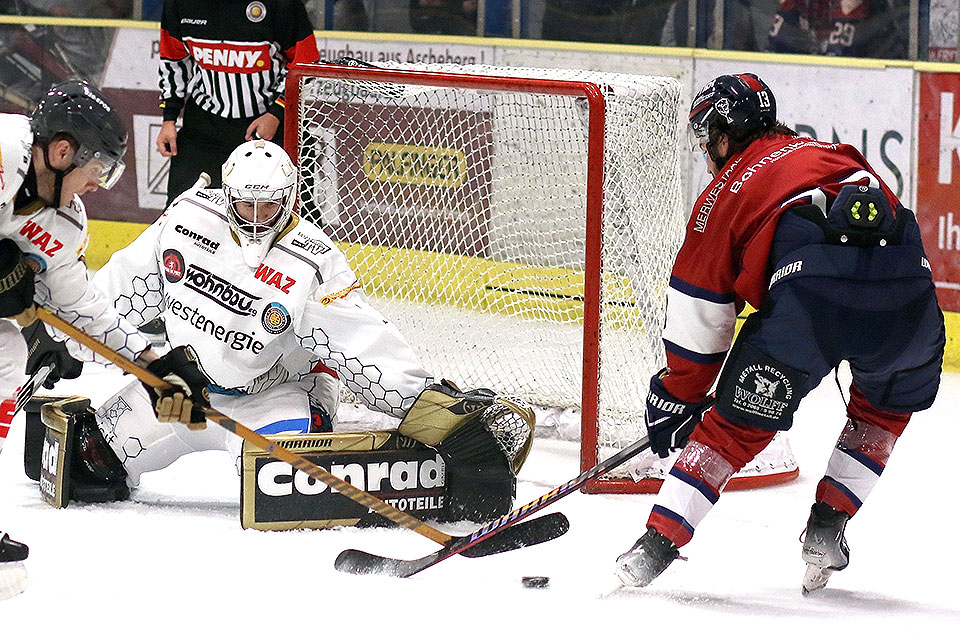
(174, 563)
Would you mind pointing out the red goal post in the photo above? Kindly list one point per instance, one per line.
(518, 225)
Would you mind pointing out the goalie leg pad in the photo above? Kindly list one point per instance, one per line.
(76, 463)
(399, 470)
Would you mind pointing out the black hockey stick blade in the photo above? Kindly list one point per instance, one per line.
(369, 563)
(524, 534)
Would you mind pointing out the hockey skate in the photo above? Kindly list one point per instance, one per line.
(647, 559)
(824, 546)
(13, 575)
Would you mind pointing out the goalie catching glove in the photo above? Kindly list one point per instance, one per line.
(187, 396)
(669, 420)
(442, 410)
(484, 440)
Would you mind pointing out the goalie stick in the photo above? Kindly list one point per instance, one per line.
(515, 539)
(361, 562)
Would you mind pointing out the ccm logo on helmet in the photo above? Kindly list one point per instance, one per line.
(256, 187)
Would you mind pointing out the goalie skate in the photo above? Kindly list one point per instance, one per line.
(824, 546)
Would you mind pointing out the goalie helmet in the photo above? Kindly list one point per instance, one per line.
(76, 108)
(259, 182)
(738, 105)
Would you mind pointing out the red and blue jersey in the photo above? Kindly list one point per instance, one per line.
(724, 261)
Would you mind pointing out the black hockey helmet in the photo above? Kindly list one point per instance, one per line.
(78, 109)
(738, 105)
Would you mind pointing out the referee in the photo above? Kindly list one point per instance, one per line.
(223, 64)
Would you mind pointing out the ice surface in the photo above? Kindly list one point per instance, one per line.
(174, 560)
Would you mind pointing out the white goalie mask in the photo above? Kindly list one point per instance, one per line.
(259, 182)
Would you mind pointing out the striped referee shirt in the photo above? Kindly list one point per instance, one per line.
(231, 56)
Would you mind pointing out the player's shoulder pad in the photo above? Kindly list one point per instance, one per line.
(193, 202)
(307, 240)
(72, 219)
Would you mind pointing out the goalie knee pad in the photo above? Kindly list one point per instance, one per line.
(65, 451)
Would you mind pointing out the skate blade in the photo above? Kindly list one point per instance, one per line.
(629, 577)
(815, 579)
(13, 579)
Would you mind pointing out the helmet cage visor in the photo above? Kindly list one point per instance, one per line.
(252, 203)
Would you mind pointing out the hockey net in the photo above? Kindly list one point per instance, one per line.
(518, 225)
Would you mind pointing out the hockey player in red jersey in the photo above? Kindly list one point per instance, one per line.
(805, 232)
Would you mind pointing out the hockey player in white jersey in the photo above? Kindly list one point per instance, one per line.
(73, 143)
(277, 318)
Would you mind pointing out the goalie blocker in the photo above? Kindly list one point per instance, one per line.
(454, 457)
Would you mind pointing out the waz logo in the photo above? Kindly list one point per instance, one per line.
(41, 238)
(220, 291)
(274, 278)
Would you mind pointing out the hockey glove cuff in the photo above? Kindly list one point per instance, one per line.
(43, 350)
(669, 420)
(187, 396)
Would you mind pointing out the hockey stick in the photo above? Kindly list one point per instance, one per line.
(361, 562)
(515, 539)
(30, 386)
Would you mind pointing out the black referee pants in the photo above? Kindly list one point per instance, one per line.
(203, 144)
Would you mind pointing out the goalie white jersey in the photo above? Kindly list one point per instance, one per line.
(253, 328)
(55, 239)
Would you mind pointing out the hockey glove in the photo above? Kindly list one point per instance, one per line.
(43, 350)
(670, 421)
(188, 395)
(16, 280)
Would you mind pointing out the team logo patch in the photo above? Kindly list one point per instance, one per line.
(256, 12)
(761, 391)
(275, 318)
(723, 108)
(172, 265)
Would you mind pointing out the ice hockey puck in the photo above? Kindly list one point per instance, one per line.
(536, 582)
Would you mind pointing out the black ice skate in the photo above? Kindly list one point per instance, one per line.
(824, 546)
(647, 559)
(13, 576)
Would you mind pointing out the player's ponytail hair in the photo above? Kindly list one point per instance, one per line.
(739, 145)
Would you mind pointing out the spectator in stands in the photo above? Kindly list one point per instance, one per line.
(611, 21)
(444, 17)
(348, 15)
(225, 98)
(862, 28)
(70, 8)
